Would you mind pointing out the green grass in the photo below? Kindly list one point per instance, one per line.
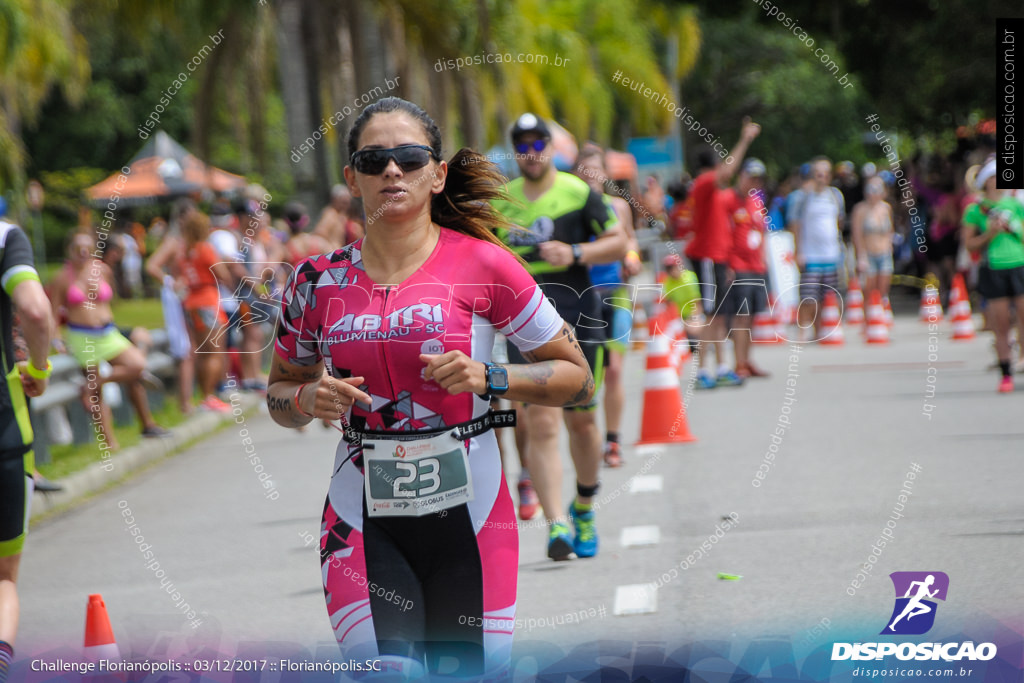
(71, 458)
(146, 313)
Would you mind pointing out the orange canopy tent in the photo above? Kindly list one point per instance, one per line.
(162, 169)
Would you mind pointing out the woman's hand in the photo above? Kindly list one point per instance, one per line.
(456, 372)
(329, 398)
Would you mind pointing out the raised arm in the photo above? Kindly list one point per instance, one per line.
(733, 162)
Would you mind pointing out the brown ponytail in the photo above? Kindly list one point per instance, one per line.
(465, 203)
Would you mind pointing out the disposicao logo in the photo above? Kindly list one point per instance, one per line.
(914, 612)
(914, 615)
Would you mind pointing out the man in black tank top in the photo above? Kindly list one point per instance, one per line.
(21, 292)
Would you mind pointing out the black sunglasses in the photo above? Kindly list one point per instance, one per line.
(536, 145)
(373, 161)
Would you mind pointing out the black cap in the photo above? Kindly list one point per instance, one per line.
(530, 123)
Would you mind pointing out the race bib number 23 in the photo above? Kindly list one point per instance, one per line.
(415, 478)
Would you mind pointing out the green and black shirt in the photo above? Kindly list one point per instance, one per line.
(15, 267)
(569, 212)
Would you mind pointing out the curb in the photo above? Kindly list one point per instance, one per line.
(99, 476)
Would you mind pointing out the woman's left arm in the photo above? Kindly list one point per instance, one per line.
(557, 374)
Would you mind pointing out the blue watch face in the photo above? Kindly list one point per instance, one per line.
(497, 379)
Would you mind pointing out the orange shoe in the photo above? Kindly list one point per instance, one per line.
(612, 455)
(215, 405)
(529, 504)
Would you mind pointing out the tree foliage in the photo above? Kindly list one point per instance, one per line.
(768, 74)
(923, 65)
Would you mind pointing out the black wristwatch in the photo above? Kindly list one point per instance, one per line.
(497, 379)
(577, 254)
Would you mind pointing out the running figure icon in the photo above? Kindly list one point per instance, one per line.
(917, 594)
(915, 606)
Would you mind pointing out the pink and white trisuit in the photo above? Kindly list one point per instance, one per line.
(439, 588)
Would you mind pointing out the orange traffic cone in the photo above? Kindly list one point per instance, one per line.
(764, 329)
(667, 323)
(887, 309)
(99, 637)
(664, 415)
(955, 296)
(931, 309)
(639, 334)
(831, 329)
(854, 303)
(960, 310)
(676, 332)
(878, 330)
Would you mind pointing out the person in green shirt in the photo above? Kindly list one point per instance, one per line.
(564, 227)
(995, 228)
(680, 286)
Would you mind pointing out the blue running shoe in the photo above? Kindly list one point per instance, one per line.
(559, 543)
(706, 382)
(729, 379)
(585, 543)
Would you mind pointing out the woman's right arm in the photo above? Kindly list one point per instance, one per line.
(298, 393)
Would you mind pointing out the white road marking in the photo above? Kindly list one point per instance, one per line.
(637, 598)
(633, 536)
(645, 483)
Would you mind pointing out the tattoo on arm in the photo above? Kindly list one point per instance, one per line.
(306, 374)
(539, 373)
(279, 404)
(284, 411)
(586, 390)
(571, 337)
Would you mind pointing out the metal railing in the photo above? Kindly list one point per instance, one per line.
(61, 407)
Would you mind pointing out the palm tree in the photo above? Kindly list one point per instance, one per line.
(39, 50)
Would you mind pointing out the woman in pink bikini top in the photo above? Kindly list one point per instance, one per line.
(81, 294)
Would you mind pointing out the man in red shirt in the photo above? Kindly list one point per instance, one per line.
(709, 249)
(680, 217)
(749, 291)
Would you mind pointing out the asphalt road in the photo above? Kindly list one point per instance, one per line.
(247, 563)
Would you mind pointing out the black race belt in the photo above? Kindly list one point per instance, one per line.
(493, 419)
